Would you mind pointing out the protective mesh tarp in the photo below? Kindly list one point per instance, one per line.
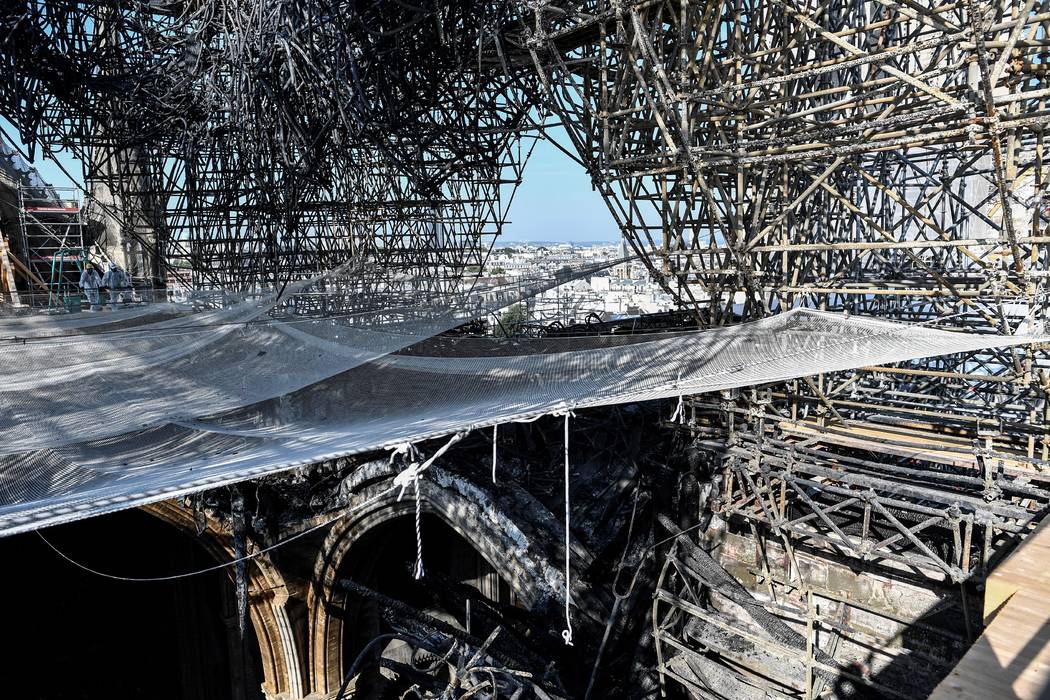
(81, 379)
(433, 389)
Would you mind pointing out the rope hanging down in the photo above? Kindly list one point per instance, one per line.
(566, 634)
(679, 411)
(417, 572)
(495, 435)
(410, 475)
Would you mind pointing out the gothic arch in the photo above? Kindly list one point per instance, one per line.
(463, 506)
(268, 597)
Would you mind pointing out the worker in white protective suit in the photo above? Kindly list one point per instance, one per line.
(90, 282)
(118, 282)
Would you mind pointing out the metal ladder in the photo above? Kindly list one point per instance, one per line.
(52, 227)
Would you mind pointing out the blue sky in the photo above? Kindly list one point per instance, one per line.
(51, 173)
(555, 201)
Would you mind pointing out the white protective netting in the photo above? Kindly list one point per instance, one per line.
(71, 380)
(193, 408)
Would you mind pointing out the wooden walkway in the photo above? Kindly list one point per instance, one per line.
(1011, 659)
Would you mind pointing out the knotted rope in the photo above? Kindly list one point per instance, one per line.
(410, 475)
(566, 634)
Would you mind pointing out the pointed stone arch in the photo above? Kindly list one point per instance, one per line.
(270, 605)
(468, 509)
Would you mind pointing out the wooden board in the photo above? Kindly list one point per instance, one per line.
(1011, 659)
(897, 440)
(8, 273)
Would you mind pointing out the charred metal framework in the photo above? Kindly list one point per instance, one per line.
(875, 157)
(883, 157)
(238, 144)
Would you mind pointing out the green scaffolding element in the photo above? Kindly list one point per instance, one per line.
(58, 267)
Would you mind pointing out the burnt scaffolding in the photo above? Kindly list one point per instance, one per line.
(882, 158)
(236, 145)
(875, 157)
(879, 158)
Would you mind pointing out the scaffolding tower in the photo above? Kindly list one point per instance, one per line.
(51, 223)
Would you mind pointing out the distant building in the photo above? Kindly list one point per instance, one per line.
(623, 270)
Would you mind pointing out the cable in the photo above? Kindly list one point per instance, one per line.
(188, 574)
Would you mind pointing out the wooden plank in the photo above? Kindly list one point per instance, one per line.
(8, 272)
(29, 274)
(875, 437)
(1011, 659)
(902, 441)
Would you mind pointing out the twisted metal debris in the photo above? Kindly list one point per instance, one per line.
(255, 142)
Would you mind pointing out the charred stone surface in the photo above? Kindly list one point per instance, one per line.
(696, 568)
(626, 468)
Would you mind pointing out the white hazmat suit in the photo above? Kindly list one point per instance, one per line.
(117, 281)
(90, 282)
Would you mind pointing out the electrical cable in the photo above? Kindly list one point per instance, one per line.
(217, 567)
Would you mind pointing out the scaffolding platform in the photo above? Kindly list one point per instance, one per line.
(1011, 659)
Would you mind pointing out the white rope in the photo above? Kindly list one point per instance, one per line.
(417, 572)
(566, 634)
(406, 477)
(403, 449)
(495, 434)
(410, 475)
(679, 411)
